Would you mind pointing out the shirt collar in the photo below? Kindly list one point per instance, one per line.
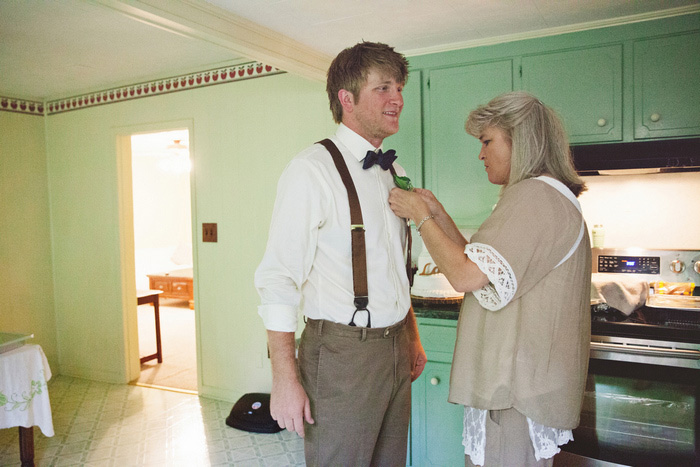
(356, 144)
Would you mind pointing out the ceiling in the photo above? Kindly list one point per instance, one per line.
(56, 49)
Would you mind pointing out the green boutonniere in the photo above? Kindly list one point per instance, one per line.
(403, 182)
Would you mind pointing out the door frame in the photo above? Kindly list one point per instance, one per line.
(122, 136)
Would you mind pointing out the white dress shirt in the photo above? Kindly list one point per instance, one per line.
(307, 265)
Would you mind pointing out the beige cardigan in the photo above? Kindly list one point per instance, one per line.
(532, 354)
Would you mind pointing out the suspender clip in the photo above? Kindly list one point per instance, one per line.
(361, 303)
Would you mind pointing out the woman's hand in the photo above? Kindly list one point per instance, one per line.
(434, 205)
(416, 204)
(408, 204)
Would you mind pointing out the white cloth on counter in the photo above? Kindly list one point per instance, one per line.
(24, 395)
(622, 293)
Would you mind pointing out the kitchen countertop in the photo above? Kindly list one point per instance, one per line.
(437, 311)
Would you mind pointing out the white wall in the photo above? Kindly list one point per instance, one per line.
(162, 209)
(654, 211)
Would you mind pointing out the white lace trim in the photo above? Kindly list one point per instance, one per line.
(503, 284)
(474, 434)
(545, 440)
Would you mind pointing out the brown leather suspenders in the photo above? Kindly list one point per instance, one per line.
(357, 232)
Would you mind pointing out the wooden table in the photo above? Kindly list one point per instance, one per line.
(24, 372)
(174, 284)
(151, 296)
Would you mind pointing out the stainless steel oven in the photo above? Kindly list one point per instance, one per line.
(666, 330)
(641, 403)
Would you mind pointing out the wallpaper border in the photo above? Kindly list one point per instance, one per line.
(156, 87)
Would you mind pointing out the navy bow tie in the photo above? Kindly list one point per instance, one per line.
(384, 159)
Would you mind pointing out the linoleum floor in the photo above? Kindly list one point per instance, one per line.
(102, 424)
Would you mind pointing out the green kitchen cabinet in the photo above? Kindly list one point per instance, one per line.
(584, 86)
(618, 84)
(667, 86)
(453, 169)
(408, 142)
(436, 425)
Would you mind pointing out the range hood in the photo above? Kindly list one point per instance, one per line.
(674, 155)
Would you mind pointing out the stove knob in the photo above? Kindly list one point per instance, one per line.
(697, 267)
(677, 266)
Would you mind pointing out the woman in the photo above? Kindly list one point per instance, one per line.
(521, 356)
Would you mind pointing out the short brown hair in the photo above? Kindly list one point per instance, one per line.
(350, 68)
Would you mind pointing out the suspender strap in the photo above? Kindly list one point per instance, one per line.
(409, 244)
(357, 233)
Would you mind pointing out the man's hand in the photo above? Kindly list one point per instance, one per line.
(416, 351)
(289, 405)
(418, 359)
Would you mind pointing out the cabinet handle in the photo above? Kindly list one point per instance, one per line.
(434, 380)
(602, 122)
(655, 117)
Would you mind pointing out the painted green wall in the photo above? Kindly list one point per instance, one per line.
(244, 133)
(26, 295)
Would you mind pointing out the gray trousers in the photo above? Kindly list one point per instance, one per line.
(359, 384)
(508, 441)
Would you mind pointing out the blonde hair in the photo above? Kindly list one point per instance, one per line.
(350, 68)
(539, 142)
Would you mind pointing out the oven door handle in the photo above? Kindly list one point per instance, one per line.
(641, 350)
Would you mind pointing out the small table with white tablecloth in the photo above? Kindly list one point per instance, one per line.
(24, 395)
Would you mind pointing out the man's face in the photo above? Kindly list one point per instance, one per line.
(374, 113)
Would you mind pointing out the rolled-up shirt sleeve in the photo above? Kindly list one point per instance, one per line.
(296, 218)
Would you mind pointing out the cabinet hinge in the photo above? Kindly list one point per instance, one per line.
(428, 83)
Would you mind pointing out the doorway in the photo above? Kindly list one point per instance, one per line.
(162, 220)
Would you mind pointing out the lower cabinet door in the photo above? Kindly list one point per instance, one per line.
(436, 424)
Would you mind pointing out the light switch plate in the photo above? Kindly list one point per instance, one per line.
(209, 233)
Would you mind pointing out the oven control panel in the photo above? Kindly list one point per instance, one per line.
(665, 265)
(629, 264)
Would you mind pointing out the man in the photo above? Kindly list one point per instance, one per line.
(350, 395)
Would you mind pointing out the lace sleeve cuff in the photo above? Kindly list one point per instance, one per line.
(502, 283)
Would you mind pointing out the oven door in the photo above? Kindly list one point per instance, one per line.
(640, 406)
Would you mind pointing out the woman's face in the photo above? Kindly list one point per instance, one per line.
(496, 149)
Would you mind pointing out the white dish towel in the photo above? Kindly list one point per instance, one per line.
(623, 293)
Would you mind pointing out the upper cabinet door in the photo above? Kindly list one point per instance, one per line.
(408, 142)
(667, 86)
(455, 173)
(583, 86)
